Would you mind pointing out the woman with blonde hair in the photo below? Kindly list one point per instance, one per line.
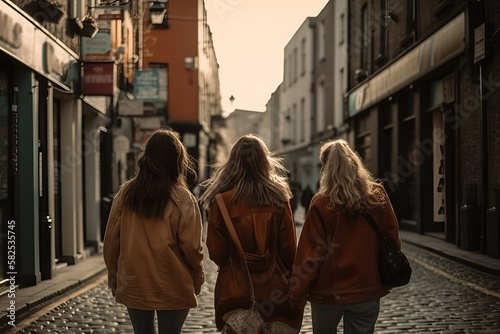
(336, 264)
(255, 190)
(152, 246)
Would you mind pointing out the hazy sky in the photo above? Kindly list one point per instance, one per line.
(249, 39)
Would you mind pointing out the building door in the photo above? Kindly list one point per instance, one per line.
(45, 220)
(407, 160)
(56, 220)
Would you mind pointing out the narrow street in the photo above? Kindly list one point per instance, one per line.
(442, 297)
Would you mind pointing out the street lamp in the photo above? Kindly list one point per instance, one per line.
(158, 14)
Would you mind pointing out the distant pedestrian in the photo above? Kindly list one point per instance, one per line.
(295, 188)
(153, 247)
(256, 194)
(307, 195)
(336, 263)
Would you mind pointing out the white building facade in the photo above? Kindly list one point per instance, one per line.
(297, 103)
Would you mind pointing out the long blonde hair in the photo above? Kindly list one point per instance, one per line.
(346, 181)
(253, 171)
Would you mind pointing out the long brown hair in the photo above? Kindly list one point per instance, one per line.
(162, 165)
(255, 173)
(346, 181)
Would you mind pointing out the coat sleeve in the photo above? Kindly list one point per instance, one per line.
(217, 241)
(111, 246)
(190, 238)
(287, 239)
(311, 253)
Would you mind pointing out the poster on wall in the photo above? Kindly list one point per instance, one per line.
(438, 169)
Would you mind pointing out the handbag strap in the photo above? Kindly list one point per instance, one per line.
(381, 234)
(236, 240)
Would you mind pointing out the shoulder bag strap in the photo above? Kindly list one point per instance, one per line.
(374, 225)
(236, 240)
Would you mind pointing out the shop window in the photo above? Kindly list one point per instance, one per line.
(406, 169)
(4, 137)
(406, 107)
(363, 140)
(5, 202)
(385, 141)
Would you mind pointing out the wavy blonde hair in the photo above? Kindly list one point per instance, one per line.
(346, 181)
(253, 171)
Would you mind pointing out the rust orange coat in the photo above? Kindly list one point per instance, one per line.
(252, 226)
(336, 260)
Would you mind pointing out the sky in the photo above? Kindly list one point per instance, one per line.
(249, 39)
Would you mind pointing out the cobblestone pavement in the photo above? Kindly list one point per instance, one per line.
(442, 297)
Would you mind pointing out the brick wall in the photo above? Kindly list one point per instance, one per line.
(492, 74)
(468, 126)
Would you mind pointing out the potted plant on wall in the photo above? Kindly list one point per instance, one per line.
(53, 10)
(89, 27)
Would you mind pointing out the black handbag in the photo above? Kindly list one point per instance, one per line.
(395, 270)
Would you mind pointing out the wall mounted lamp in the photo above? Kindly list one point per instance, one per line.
(392, 16)
(158, 14)
(190, 63)
(88, 27)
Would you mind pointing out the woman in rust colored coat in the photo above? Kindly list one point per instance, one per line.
(255, 189)
(336, 264)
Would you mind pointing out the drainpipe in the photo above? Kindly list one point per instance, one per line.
(484, 134)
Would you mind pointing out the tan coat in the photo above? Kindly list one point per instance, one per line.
(336, 260)
(153, 264)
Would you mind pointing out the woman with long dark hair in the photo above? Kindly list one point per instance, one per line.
(153, 245)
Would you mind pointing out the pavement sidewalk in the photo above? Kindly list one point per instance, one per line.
(24, 302)
(29, 300)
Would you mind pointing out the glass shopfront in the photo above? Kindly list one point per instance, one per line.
(5, 173)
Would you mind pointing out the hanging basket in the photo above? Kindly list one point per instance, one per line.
(50, 10)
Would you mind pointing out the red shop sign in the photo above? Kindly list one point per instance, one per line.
(98, 79)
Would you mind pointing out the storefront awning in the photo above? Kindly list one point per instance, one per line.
(24, 39)
(447, 43)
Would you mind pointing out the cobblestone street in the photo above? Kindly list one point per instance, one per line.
(442, 297)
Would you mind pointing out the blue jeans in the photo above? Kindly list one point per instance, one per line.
(169, 321)
(358, 318)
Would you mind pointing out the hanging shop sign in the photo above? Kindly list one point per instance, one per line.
(147, 85)
(98, 79)
(142, 108)
(97, 48)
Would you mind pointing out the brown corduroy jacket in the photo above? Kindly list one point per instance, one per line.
(153, 264)
(336, 260)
